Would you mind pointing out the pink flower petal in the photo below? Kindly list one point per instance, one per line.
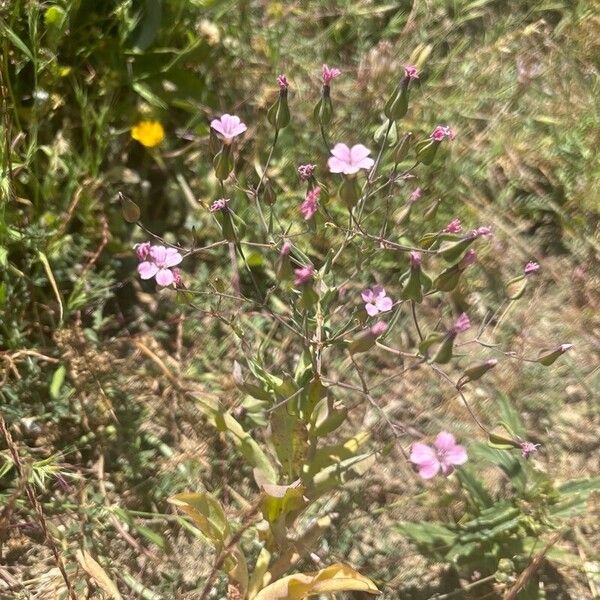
(378, 291)
(173, 257)
(367, 295)
(427, 471)
(444, 441)
(358, 153)
(422, 454)
(342, 152)
(165, 277)
(336, 165)
(147, 270)
(371, 309)
(365, 163)
(384, 304)
(457, 455)
(158, 254)
(217, 126)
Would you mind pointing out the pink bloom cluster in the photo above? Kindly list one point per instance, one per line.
(305, 172)
(455, 226)
(443, 456)
(469, 258)
(376, 301)
(483, 231)
(329, 73)
(531, 267)
(229, 126)
(411, 72)
(378, 329)
(415, 259)
(158, 262)
(304, 275)
(311, 203)
(349, 160)
(528, 448)
(415, 195)
(441, 132)
(220, 204)
(282, 82)
(462, 323)
(285, 248)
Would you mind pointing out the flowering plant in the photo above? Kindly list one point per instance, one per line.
(330, 318)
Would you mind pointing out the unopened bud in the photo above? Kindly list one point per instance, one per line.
(546, 358)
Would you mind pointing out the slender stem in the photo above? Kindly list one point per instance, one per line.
(414, 315)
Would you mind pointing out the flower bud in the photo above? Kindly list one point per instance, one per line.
(413, 288)
(223, 163)
(397, 106)
(431, 210)
(426, 151)
(547, 357)
(477, 371)
(323, 112)
(452, 251)
(447, 280)
(350, 192)
(515, 288)
(268, 195)
(366, 339)
(214, 143)
(279, 113)
(400, 152)
(129, 209)
(445, 350)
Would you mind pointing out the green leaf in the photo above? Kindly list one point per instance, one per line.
(207, 514)
(427, 533)
(57, 381)
(16, 40)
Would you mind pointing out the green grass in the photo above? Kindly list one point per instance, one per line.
(85, 349)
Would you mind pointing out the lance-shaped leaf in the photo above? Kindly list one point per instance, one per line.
(335, 578)
(290, 439)
(335, 454)
(206, 512)
(243, 440)
(278, 502)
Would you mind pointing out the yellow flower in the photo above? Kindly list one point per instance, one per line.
(148, 133)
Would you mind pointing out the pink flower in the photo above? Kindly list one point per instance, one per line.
(454, 226)
(229, 126)
(304, 275)
(469, 258)
(349, 160)
(415, 195)
(462, 323)
(176, 277)
(378, 329)
(411, 72)
(311, 203)
(415, 259)
(442, 456)
(483, 231)
(305, 172)
(220, 204)
(441, 132)
(159, 263)
(528, 448)
(531, 267)
(142, 250)
(376, 301)
(329, 73)
(282, 82)
(285, 248)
